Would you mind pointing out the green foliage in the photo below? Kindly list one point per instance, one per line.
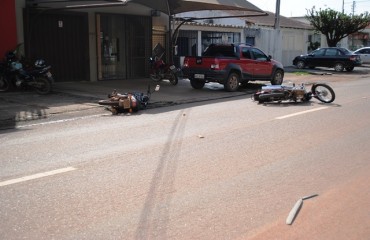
(336, 25)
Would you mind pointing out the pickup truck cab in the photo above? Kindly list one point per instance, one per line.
(232, 65)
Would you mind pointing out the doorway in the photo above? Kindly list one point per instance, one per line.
(124, 45)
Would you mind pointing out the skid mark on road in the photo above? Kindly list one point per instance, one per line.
(36, 176)
(300, 113)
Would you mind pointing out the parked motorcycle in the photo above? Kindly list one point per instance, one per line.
(15, 73)
(160, 70)
(128, 102)
(279, 93)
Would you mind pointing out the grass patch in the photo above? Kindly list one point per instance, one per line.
(301, 73)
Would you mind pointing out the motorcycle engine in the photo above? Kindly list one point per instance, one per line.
(299, 94)
(18, 81)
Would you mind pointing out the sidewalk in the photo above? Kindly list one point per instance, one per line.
(69, 97)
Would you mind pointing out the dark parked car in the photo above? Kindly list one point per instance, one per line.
(364, 54)
(332, 57)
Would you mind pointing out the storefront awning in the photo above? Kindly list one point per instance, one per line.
(171, 7)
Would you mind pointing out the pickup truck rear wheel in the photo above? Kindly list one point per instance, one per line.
(277, 79)
(197, 84)
(232, 82)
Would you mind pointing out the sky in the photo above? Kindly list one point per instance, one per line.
(297, 8)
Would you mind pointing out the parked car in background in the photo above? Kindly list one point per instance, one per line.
(331, 57)
(364, 54)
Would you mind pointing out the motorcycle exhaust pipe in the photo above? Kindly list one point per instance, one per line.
(267, 96)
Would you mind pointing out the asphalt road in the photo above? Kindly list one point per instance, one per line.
(227, 169)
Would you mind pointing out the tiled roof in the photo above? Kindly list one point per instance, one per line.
(194, 23)
(269, 21)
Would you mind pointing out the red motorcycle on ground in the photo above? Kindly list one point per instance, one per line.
(161, 70)
(128, 102)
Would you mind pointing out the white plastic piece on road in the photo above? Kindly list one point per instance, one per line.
(310, 196)
(294, 212)
(297, 206)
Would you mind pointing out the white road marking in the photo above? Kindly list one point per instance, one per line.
(35, 176)
(300, 113)
(63, 120)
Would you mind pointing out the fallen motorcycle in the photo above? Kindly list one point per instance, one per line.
(279, 93)
(15, 74)
(128, 102)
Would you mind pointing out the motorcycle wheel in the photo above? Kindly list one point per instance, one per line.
(323, 92)
(173, 79)
(42, 85)
(109, 103)
(4, 84)
(155, 77)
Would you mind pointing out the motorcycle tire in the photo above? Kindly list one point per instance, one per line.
(155, 77)
(109, 103)
(42, 85)
(323, 92)
(173, 79)
(5, 84)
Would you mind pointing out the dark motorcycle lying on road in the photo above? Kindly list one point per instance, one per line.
(128, 102)
(15, 73)
(279, 93)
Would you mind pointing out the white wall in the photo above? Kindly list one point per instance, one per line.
(19, 6)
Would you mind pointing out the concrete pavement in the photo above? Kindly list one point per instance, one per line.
(69, 97)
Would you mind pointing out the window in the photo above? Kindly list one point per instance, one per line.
(318, 52)
(246, 53)
(258, 54)
(331, 52)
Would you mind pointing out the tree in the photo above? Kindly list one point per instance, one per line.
(336, 25)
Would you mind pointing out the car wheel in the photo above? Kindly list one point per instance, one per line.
(338, 67)
(278, 77)
(301, 64)
(349, 69)
(197, 84)
(232, 82)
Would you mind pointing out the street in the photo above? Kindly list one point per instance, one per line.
(220, 169)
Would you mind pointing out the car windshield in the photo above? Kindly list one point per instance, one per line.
(346, 51)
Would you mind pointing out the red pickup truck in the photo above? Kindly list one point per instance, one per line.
(232, 65)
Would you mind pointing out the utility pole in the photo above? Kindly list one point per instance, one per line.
(353, 7)
(277, 15)
(343, 7)
(277, 46)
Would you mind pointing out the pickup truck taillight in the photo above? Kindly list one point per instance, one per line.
(215, 66)
(186, 63)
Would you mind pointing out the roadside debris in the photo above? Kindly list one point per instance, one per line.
(297, 206)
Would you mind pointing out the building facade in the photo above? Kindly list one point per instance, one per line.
(90, 43)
